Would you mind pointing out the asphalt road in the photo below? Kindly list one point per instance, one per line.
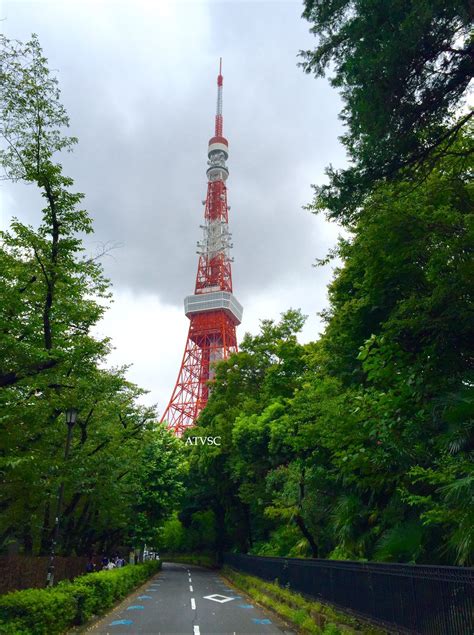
(187, 600)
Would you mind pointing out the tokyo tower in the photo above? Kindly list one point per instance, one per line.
(213, 310)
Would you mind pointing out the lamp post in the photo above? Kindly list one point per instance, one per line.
(71, 418)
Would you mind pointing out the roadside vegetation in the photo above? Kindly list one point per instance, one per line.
(115, 474)
(53, 611)
(306, 615)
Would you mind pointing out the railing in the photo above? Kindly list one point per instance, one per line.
(403, 598)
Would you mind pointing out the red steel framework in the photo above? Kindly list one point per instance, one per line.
(213, 310)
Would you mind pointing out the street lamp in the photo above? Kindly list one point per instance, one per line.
(71, 418)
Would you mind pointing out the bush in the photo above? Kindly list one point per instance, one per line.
(53, 611)
(37, 611)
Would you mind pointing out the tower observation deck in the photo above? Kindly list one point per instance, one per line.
(214, 312)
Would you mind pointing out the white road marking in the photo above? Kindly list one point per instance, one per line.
(191, 588)
(217, 597)
(197, 631)
(193, 604)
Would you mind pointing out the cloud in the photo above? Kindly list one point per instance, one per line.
(138, 80)
(152, 334)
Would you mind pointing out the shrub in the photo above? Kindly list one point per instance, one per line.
(53, 611)
(87, 601)
(39, 611)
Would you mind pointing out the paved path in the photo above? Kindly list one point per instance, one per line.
(177, 601)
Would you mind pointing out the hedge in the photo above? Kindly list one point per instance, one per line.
(53, 611)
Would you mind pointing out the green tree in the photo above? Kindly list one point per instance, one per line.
(159, 487)
(359, 445)
(51, 297)
(403, 68)
(171, 536)
(230, 479)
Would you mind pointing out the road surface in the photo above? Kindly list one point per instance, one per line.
(190, 601)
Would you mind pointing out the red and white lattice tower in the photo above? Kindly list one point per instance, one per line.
(213, 310)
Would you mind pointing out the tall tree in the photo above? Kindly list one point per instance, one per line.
(51, 297)
(403, 68)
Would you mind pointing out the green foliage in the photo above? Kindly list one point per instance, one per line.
(171, 536)
(443, 494)
(204, 525)
(401, 543)
(283, 541)
(402, 70)
(37, 611)
(159, 484)
(54, 610)
(229, 479)
(197, 533)
(358, 446)
(121, 474)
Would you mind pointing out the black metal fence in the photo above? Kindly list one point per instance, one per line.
(404, 598)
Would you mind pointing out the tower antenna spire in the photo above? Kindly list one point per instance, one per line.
(219, 118)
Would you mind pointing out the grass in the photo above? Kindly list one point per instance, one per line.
(306, 615)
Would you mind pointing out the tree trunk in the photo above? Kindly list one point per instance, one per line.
(299, 517)
(248, 518)
(304, 530)
(221, 532)
(45, 530)
(26, 537)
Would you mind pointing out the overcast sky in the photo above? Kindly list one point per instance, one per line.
(138, 80)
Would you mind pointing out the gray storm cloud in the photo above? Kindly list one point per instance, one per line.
(138, 81)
